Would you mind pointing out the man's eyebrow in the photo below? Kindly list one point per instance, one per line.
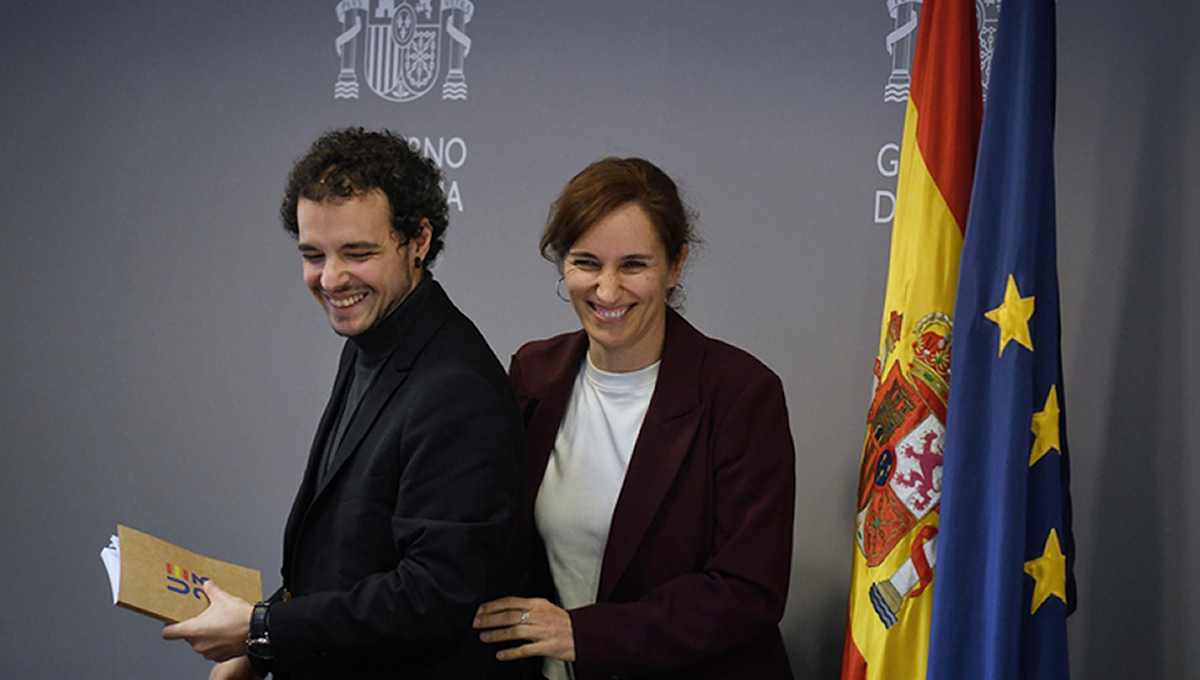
(355, 245)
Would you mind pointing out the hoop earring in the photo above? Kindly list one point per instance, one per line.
(558, 290)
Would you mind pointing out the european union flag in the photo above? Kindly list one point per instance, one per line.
(1004, 581)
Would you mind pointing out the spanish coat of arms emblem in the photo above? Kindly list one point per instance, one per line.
(400, 47)
(902, 42)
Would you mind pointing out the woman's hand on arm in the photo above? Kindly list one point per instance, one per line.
(545, 626)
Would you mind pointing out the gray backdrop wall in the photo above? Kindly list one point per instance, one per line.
(162, 366)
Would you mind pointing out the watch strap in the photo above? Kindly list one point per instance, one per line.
(258, 642)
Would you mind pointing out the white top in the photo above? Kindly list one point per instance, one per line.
(583, 478)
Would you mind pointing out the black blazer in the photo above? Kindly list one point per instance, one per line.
(387, 561)
(695, 573)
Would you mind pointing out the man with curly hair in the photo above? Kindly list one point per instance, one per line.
(400, 526)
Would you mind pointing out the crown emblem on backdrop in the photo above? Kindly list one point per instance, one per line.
(988, 14)
(400, 47)
(902, 42)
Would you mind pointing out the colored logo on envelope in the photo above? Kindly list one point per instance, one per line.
(180, 580)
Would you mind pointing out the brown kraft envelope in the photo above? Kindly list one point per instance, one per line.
(166, 582)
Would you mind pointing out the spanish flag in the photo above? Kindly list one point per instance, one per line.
(900, 478)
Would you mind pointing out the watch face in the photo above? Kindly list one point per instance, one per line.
(260, 649)
(259, 664)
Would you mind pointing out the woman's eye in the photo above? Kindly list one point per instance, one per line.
(358, 256)
(633, 266)
(584, 264)
(311, 257)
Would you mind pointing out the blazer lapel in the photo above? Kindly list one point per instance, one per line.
(662, 445)
(305, 495)
(421, 322)
(542, 429)
(380, 392)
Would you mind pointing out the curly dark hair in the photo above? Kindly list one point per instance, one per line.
(351, 162)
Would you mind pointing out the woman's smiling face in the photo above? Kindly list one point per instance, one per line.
(617, 276)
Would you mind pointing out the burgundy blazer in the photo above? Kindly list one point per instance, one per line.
(695, 572)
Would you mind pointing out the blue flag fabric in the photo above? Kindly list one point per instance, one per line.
(1005, 554)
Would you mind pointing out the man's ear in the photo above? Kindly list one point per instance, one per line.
(423, 239)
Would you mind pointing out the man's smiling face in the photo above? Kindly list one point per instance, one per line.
(355, 264)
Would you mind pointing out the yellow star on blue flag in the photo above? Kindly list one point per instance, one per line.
(1013, 317)
(1049, 573)
(1045, 428)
